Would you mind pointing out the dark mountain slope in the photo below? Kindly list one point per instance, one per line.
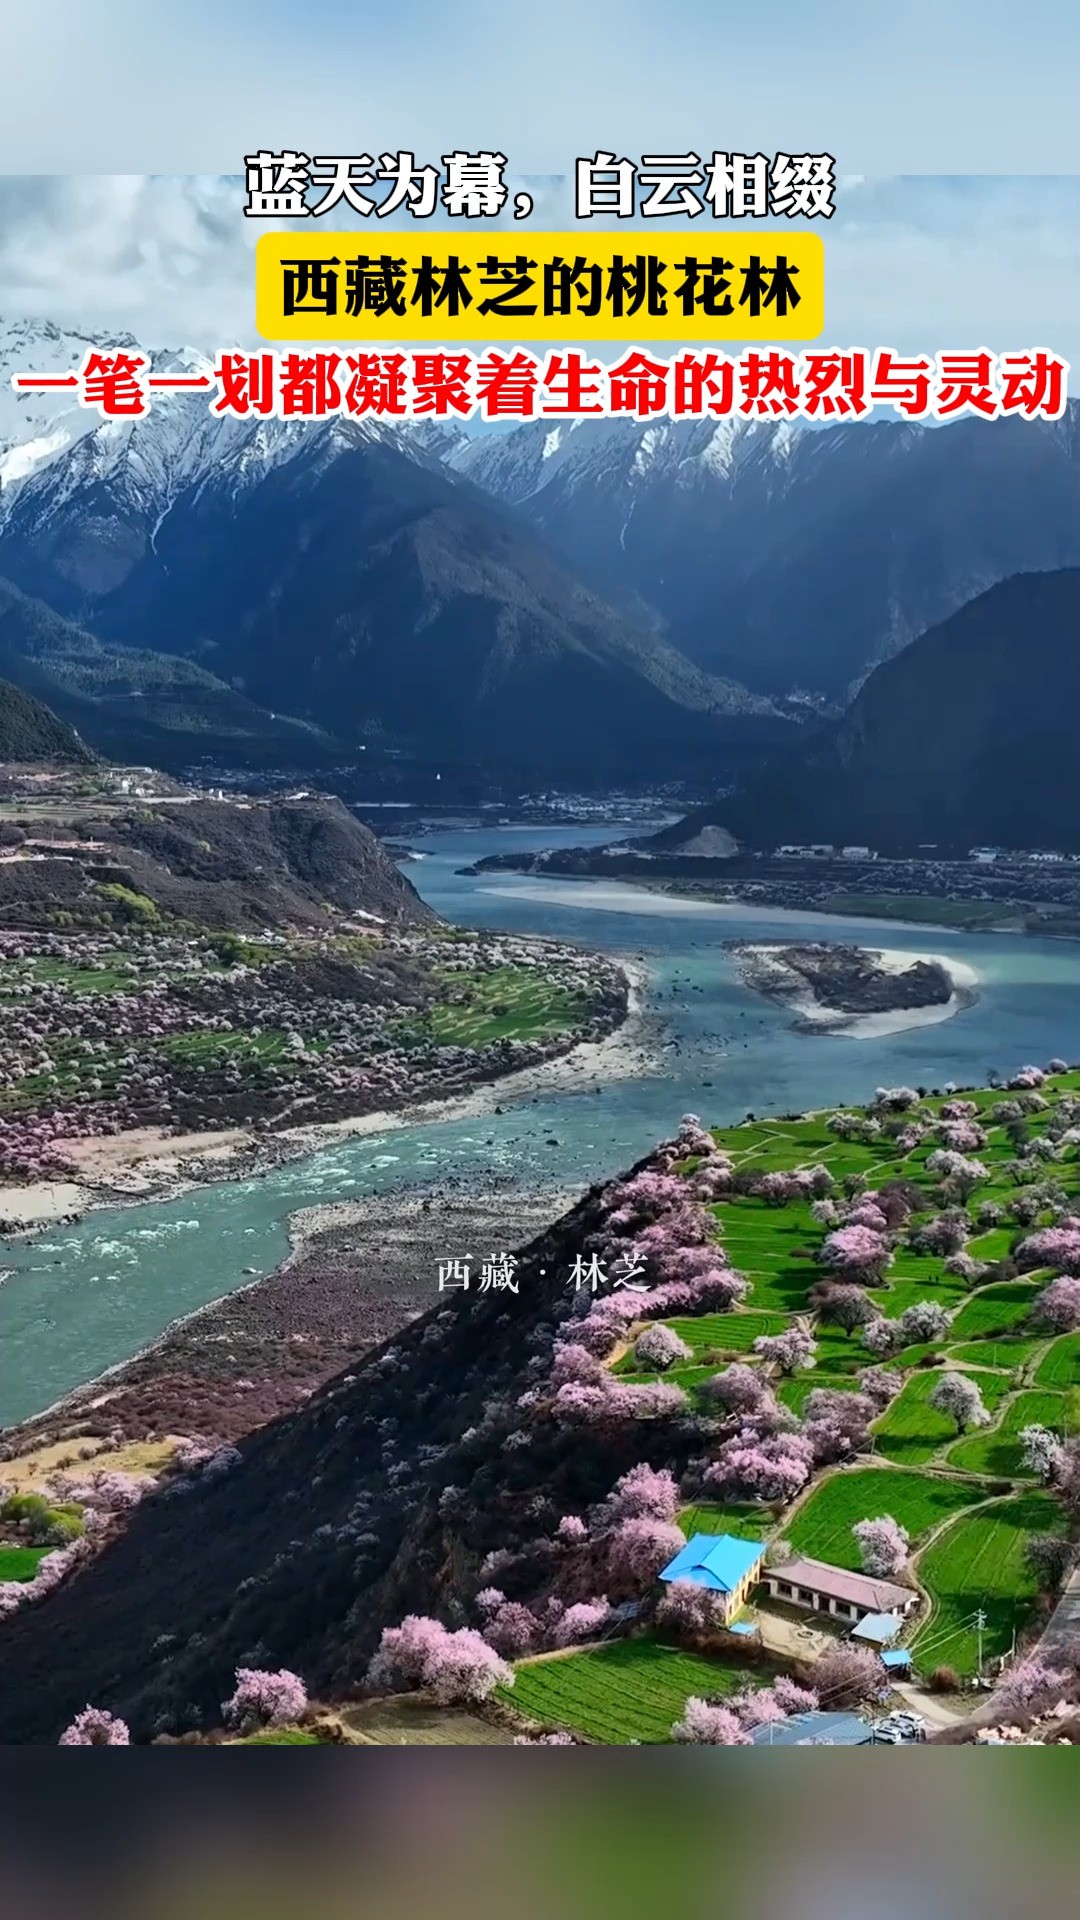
(29, 731)
(374, 593)
(332, 1523)
(131, 702)
(790, 556)
(968, 737)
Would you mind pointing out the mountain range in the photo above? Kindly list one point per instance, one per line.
(586, 604)
(785, 555)
(346, 576)
(967, 737)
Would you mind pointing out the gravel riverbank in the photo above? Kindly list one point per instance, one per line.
(358, 1272)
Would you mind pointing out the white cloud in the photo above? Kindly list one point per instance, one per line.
(911, 263)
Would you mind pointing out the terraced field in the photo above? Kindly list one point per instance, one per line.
(979, 1563)
(1060, 1366)
(1006, 1355)
(509, 1003)
(968, 1539)
(720, 1334)
(996, 1450)
(997, 1309)
(912, 1432)
(795, 1392)
(919, 1501)
(628, 1690)
(904, 1292)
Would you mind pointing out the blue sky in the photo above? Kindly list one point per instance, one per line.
(932, 86)
(914, 263)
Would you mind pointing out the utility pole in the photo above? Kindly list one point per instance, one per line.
(980, 1624)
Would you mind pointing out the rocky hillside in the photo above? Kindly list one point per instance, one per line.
(240, 864)
(969, 737)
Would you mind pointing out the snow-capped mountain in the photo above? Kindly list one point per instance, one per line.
(788, 555)
(63, 470)
(36, 428)
(343, 574)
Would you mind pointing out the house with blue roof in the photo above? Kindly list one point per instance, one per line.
(723, 1563)
(815, 1730)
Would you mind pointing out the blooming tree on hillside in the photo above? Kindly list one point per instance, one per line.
(649, 1493)
(453, 1667)
(772, 1469)
(689, 1611)
(659, 1346)
(843, 1306)
(847, 1676)
(883, 1545)
(637, 1549)
(703, 1724)
(790, 1351)
(957, 1396)
(1042, 1452)
(1031, 1687)
(93, 1727)
(264, 1699)
(1057, 1308)
(925, 1320)
(856, 1252)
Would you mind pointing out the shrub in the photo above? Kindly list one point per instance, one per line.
(944, 1680)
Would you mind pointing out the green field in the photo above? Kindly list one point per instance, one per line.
(996, 1450)
(942, 1289)
(20, 1563)
(752, 1523)
(924, 908)
(278, 1737)
(1060, 1366)
(979, 1563)
(796, 1391)
(911, 1431)
(997, 1309)
(88, 979)
(628, 1690)
(720, 1333)
(1003, 1354)
(919, 1501)
(507, 1003)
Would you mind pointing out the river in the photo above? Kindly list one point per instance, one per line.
(80, 1300)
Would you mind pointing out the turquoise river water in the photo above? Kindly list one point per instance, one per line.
(77, 1301)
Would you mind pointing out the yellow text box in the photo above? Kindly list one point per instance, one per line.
(442, 285)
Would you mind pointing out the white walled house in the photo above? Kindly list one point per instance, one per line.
(819, 1588)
